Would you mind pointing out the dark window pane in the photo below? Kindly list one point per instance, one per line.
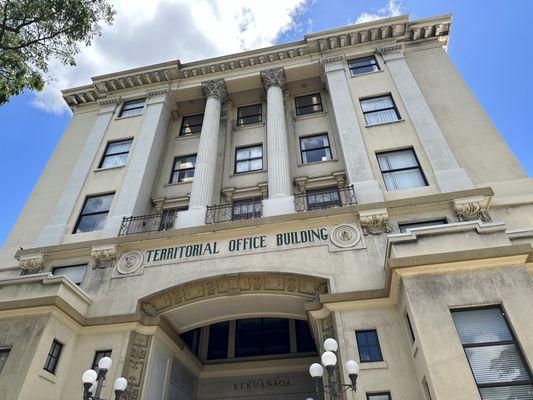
(97, 204)
(315, 148)
(249, 115)
(363, 65)
(192, 339)
(52, 359)
(94, 213)
(218, 341)
(4, 354)
(411, 225)
(311, 156)
(74, 272)
(379, 396)
(89, 223)
(368, 345)
(116, 154)
(183, 169)
(262, 336)
(304, 339)
(191, 124)
(323, 198)
(98, 355)
(308, 104)
(134, 107)
(246, 209)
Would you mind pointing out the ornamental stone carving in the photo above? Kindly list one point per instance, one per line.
(32, 264)
(216, 89)
(333, 63)
(472, 209)
(375, 222)
(130, 262)
(392, 52)
(135, 365)
(345, 236)
(273, 77)
(104, 256)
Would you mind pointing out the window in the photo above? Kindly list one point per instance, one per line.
(183, 169)
(249, 159)
(410, 225)
(493, 353)
(74, 272)
(218, 341)
(262, 336)
(94, 213)
(247, 209)
(53, 357)
(315, 148)
(249, 115)
(168, 218)
(4, 354)
(116, 154)
(427, 392)
(410, 327)
(318, 199)
(363, 65)
(304, 339)
(191, 124)
(401, 170)
(379, 110)
(379, 396)
(130, 108)
(368, 346)
(98, 355)
(309, 104)
(192, 339)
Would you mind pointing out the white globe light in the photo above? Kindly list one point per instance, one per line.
(331, 344)
(309, 398)
(89, 376)
(329, 359)
(121, 384)
(316, 370)
(105, 363)
(352, 367)
(93, 387)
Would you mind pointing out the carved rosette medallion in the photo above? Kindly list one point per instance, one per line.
(104, 256)
(345, 236)
(216, 89)
(33, 264)
(273, 77)
(130, 262)
(375, 222)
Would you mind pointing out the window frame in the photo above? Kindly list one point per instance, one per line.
(372, 57)
(298, 108)
(105, 353)
(235, 161)
(105, 155)
(134, 108)
(322, 205)
(81, 214)
(369, 395)
(259, 115)
(71, 266)
(422, 224)
(410, 330)
(514, 341)
(418, 166)
(302, 151)
(359, 346)
(394, 107)
(4, 350)
(174, 170)
(257, 211)
(48, 365)
(180, 133)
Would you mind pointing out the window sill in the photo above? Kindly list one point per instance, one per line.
(259, 171)
(176, 183)
(129, 116)
(250, 126)
(309, 116)
(373, 365)
(385, 123)
(316, 162)
(188, 137)
(48, 376)
(366, 73)
(109, 168)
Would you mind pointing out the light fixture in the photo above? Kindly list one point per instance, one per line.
(105, 363)
(316, 370)
(329, 359)
(93, 381)
(120, 385)
(89, 376)
(331, 344)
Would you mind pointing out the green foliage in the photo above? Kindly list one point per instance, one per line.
(34, 31)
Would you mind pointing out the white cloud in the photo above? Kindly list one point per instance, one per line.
(148, 32)
(391, 9)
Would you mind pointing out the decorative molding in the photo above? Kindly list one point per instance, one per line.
(215, 88)
(375, 222)
(104, 256)
(472, 208)
(111, 100)
(392, 52)
(222, 286)
(32, 264)
(273, 77)
(135, 365)
(333, 63)
(130, 262)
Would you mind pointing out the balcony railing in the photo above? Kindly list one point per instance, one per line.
(326, 198)
(247, 209)
(148, 223)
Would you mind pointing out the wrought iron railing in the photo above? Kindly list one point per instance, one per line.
(244, 209)
(148, 223)
(325, 198)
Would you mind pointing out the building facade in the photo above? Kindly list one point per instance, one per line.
(209, 224)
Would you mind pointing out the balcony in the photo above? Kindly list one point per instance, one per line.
(148, 223)
(243, 209)
(325, 198)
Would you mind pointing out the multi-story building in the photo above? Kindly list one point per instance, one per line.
(209, 224)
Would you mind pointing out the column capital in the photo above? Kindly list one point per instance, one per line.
(392, 52)
(273, 77)
(333, 63)
(109, 104)
(215, 88)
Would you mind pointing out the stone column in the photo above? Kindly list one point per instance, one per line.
(133, 196)
(280, 193)
(450, 177)
(57, 226)
(358, 168)
(206, 159)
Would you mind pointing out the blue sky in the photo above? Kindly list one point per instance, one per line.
(489, 45)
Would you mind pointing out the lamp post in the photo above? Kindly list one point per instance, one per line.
(93, 381)
(329, 360)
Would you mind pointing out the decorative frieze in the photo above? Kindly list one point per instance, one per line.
(104, 256)
(135, 365)
(215, 88)
(273, 77)
(472, 208)
(392, 52)
(32, 264)
(333, 63)
(375, 222)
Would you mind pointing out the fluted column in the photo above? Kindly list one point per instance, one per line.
(206, 158)
(57, 226)
(450, 177)
(280, 193)
(358, 170)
